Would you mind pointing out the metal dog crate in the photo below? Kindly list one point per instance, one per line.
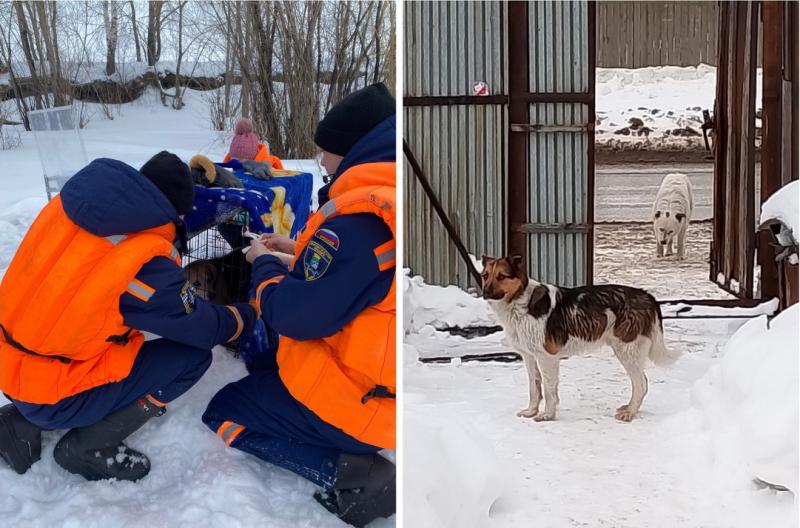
(213, 244)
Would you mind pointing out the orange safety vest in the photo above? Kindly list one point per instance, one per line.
(262, 155)
(61, 329)
(345, 378)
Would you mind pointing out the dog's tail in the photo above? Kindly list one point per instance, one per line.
(659, 353)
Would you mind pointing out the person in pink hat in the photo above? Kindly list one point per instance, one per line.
(247, 147)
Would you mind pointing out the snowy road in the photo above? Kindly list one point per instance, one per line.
(625, 192)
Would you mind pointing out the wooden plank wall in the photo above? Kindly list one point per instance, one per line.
(638, 34)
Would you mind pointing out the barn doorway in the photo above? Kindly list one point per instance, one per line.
(662, 83)
(656, 75)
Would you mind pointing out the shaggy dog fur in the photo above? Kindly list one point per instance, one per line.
(222, 280)
(672, 212)
(546, 323)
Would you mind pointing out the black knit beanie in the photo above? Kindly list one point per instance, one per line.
(171, 175)
(352, 117)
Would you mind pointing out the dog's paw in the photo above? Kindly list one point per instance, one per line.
(528, 412)
(624, 414)
(544, 417)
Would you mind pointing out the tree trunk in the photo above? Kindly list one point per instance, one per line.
(135, 32)
(177, 102)
(153, 31)
(52, 73)
(27, 48)
(110, 20)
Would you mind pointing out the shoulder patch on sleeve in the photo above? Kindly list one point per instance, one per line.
(188, 297)
(328, 237)
(316, 260)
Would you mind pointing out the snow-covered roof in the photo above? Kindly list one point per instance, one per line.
(784, 205)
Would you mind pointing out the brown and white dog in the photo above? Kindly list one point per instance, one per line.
(546, 323)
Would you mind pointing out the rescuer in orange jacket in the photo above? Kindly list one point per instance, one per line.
(319, 399)
(96, 269)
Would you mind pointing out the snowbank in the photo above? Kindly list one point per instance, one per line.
(438, 306)
(689, 310)
(462, 477)
(749, 402)
(656, 107)
(784, 205)
(456, 477)
(125, 71)
(14, 223)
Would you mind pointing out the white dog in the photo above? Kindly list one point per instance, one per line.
(672, 212)
(546, 323)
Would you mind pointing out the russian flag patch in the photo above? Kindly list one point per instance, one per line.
(328, 237)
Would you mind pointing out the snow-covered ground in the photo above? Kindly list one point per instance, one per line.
(670, 467)
(656, 108)
(195, 479)
(626, 254)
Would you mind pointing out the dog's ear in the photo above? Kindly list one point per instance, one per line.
(486, 260)
(516, 263)
(658, 214)
(211, 273)
(680, 217)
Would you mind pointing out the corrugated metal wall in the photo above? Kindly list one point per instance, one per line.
(462, 148)
(558, 160)
(449, 45)
(638, 34)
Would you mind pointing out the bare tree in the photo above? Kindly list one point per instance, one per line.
(110, 15)
(154, 8)
(297, 59)
(177, 102)
(135, 30)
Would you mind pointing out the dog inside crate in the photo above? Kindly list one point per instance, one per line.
(215, 265)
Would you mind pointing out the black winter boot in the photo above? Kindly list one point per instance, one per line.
(364, 489)
(20, 440)
(96, 452)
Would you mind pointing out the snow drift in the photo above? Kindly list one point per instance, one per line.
(438, 306)
(749, 402)
(458, 478)
(658, 107)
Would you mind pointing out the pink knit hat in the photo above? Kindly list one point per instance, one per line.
(245, 143)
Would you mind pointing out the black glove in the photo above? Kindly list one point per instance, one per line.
(259, 170)
(225, 178)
